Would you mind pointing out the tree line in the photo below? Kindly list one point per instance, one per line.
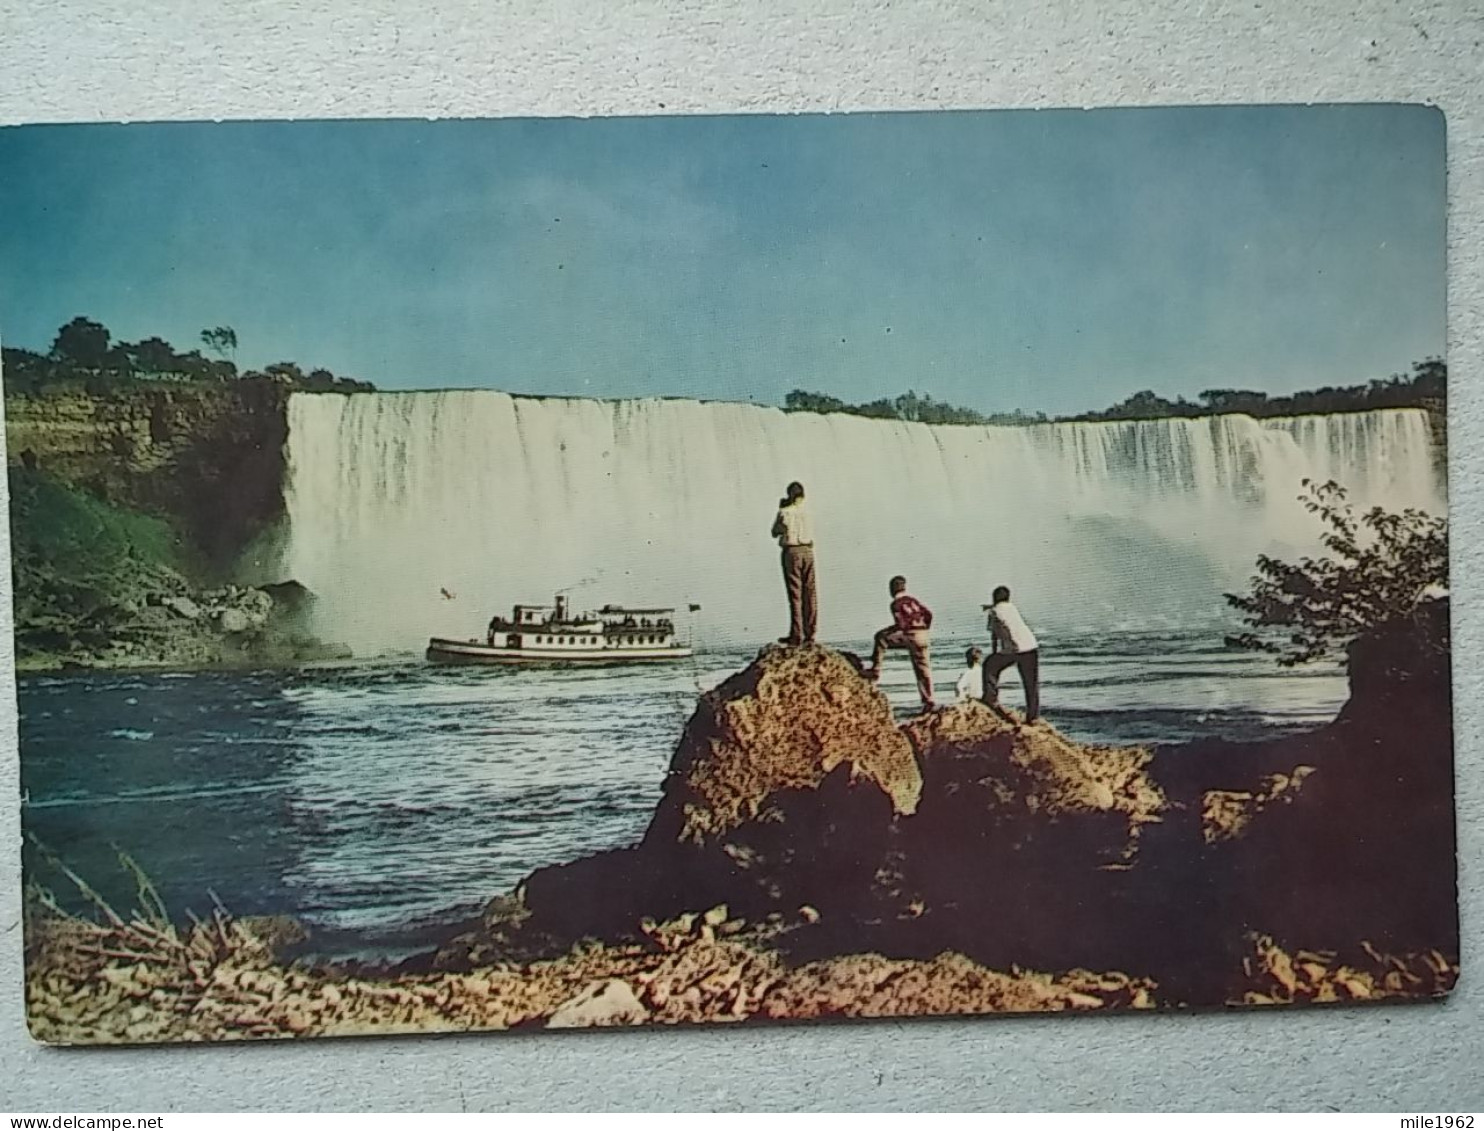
(911, 405)
(85, 355)
(1424, 387)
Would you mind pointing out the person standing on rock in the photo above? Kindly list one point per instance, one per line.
(794, 529)
(911, 622)
(1014, 643)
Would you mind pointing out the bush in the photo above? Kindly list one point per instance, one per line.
(1380, 564)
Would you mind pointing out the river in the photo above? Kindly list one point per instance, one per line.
(376, 801)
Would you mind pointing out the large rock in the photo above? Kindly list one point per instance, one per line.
(793, 787)
(233, 621)
(601, 1004)
(785, 723)
(239, 610)
(796, 800)
(183, 607)
(1321, 840)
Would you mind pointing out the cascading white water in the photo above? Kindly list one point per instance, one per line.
(396, 499)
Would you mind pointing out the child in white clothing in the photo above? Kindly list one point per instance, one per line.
(971, 683)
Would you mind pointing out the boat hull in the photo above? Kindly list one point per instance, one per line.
(442, 651)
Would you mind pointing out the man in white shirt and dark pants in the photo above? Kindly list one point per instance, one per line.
(1014, 643)
(794, 530)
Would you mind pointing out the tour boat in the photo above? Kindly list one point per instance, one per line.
(552, 634)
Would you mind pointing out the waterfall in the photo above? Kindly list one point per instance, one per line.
(397, 500)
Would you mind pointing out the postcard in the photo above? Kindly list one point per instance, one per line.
(475, 575)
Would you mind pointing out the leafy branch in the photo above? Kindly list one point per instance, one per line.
(1378, 563)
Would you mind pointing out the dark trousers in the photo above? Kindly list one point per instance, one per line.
(1029, 666)
(916, 641)
(803, 604)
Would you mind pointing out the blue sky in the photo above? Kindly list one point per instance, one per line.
(1048, 260)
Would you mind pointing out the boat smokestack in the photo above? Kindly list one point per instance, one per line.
(561, 607)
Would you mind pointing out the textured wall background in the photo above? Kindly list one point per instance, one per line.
(64, 60)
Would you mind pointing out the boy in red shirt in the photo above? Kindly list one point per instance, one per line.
(911, 620)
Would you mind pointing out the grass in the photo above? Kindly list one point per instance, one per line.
(76, 534)
(83, 566)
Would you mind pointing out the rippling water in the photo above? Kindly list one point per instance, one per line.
(374, 800)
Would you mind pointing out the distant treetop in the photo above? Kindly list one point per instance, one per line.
(1424, 387)
(910, 405)
(85, 356)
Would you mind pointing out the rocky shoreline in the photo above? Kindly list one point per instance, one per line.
(171, 625)
(143, 982)
(145, 526)
(812, 858)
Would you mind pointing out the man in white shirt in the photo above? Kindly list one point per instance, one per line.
(971, 682)
(1014, 643)
(794, 529)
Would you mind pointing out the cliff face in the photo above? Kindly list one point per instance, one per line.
(1199, 867)
(211, 459)
(1437, 420)
(133, 511)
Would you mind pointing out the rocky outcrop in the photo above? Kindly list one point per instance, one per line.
(1226, 813)
(211, 458)
(791, 800)
(1349, 831)
(835, 879)
(128, 512)
(785, 723)
(149, 616)
(1280, 978)
(230, 626)
(793, 787)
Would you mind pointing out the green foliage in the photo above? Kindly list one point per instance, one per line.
(64, 523)
(1379, 564)
(82, 343)
(221, 341)
(153, 355)
(25, 371)
(802, 401)
(286, 371)
(1425, 387)
(84, 357)
(910, 406)
(79, 563)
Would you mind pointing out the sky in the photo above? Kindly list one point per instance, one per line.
(1052, 261)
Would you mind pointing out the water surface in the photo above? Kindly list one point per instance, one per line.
(373, 800)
